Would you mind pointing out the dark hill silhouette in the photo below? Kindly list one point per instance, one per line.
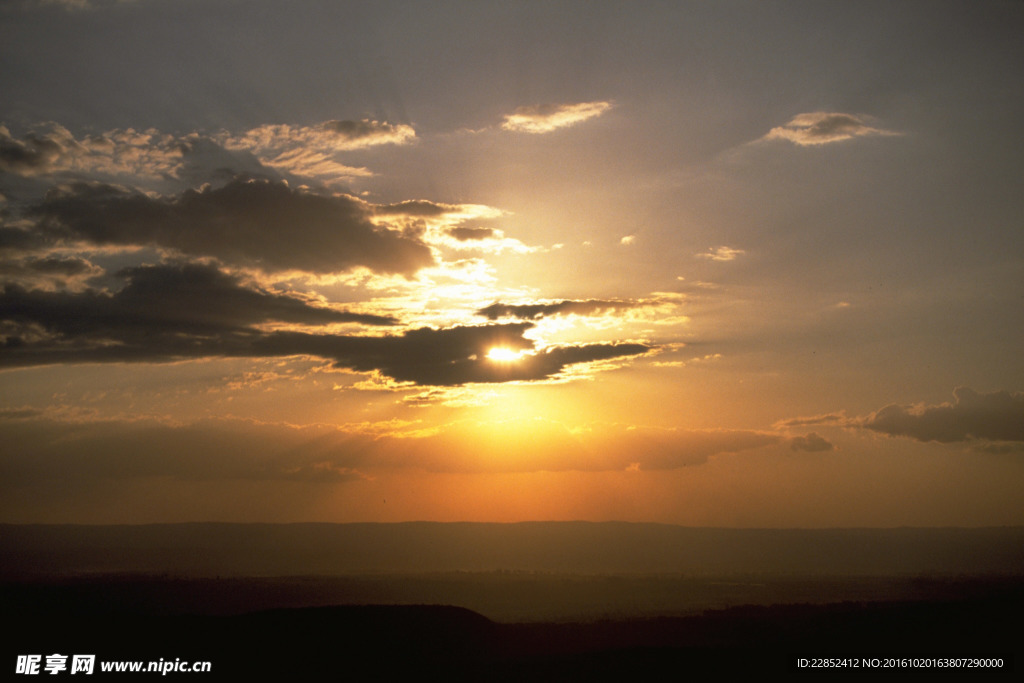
(201, 592)
(395, 642)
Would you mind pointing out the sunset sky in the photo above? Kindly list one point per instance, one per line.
(755, 264)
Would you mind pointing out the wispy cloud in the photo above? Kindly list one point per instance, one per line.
(838, 419)
(821, 128)
(721, 253)
(544, 118)
(311, 150)
(335, 136)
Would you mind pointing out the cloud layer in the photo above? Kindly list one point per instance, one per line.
(190, 311)
(221, 450)
(228, 231)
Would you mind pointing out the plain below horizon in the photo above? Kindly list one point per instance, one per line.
(228, 549)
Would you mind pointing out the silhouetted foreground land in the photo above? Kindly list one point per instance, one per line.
(540, 601)
(395, 642)
(505, 597)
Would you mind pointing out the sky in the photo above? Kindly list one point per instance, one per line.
(737, 264)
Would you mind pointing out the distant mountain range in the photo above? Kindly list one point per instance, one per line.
(217, 549)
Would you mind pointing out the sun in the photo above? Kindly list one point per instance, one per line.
(503, 354)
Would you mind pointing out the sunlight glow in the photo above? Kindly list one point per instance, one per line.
(501, 354)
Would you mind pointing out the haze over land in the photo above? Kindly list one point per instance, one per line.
(584, 548)
(527, 572)
(730, 264)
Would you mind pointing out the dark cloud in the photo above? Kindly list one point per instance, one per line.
(205, 161)
(811, 443)
(421, 208)
(33, 153)
(367, 132)
(447, 357)
(998, 416)
(187, 298)
(17, 240)
(19, 413)
(61, 266)
(834, 124)
(48, 273)
(191, 294)
(163, 312)
(534, 311)
(192, 311)
(251, 223)
(471, 234)
(668, 449)
(829, 419)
